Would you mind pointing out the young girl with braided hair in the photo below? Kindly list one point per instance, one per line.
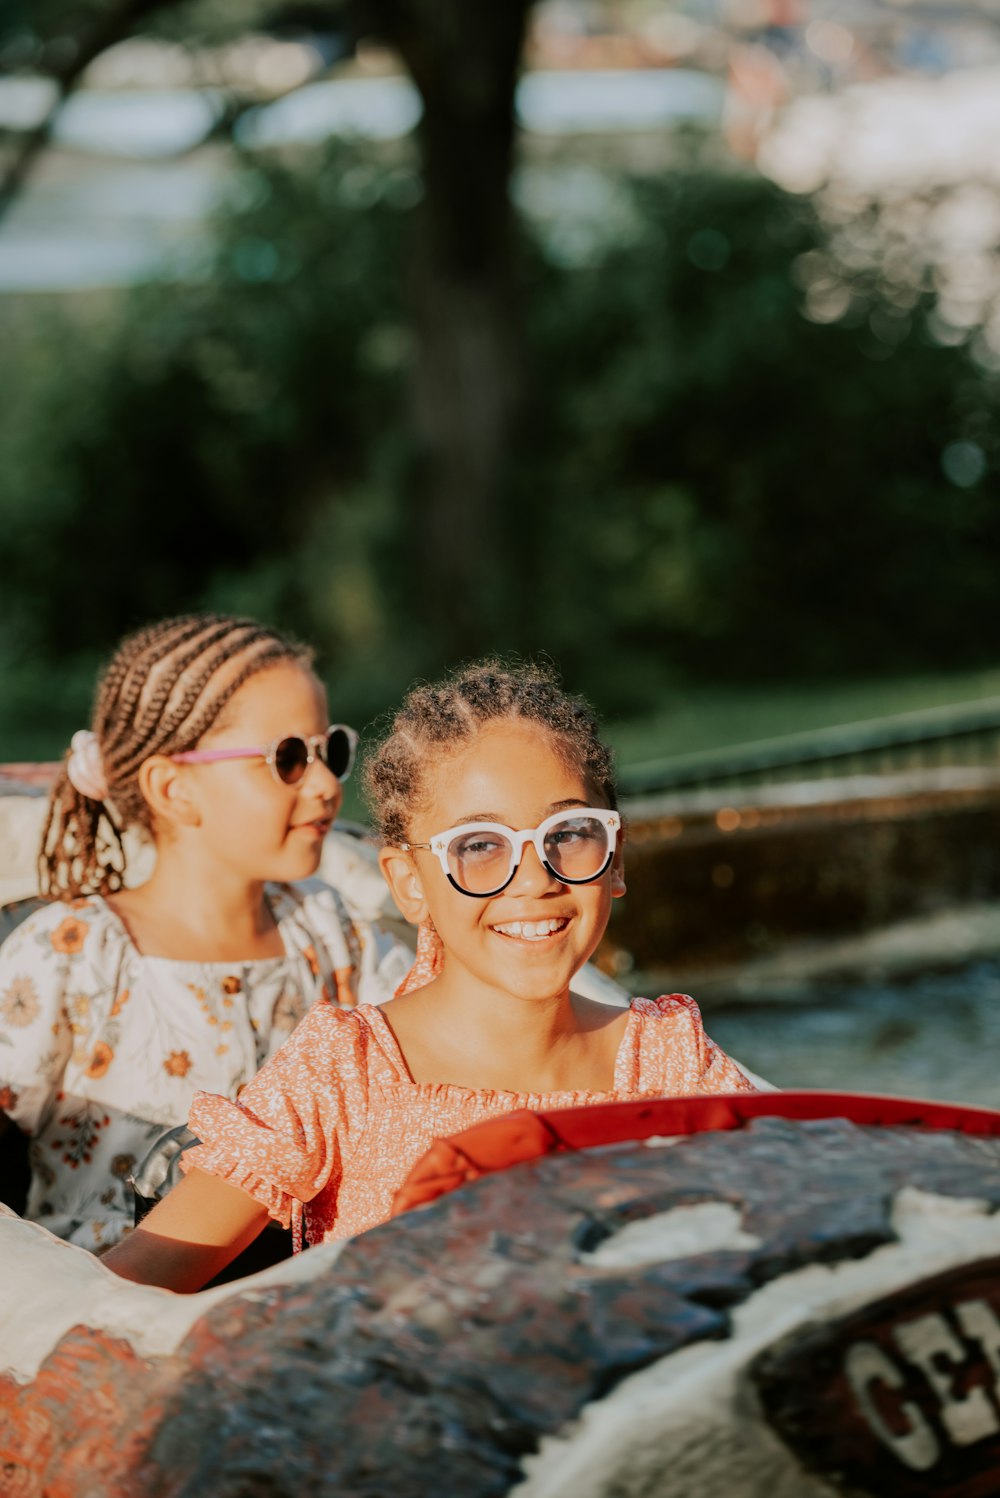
(495, 799)
(211, 733)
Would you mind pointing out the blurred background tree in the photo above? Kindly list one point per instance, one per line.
(467, 375)
(716, 430)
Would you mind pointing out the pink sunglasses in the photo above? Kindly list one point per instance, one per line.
(289, 758)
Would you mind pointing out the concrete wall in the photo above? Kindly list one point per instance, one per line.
(720, 882)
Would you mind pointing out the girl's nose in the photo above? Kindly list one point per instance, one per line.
(319, 780)
(531, 875)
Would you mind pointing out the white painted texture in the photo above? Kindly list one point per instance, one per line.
(704, 1228)
(690, 1425)
(49, 1286)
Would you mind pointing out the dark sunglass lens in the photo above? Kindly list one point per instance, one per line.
(339, 753)
(291, 759)
(577, 847)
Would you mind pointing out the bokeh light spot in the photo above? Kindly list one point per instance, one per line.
(963, 463)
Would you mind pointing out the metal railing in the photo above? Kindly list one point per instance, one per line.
(968, 734)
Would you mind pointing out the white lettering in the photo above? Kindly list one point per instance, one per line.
(865, 1365)
(980, 1323)
(928, 1341)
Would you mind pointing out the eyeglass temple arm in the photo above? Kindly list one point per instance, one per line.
(205, 756)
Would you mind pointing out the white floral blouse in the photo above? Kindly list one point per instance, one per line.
(102, 1048)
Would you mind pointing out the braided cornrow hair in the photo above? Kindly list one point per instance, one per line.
(446, 713)
(164, 688)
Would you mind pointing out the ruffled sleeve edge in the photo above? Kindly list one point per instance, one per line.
(216, 1162)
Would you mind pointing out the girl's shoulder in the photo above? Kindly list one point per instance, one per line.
(672, 1052)
(66, 929)
(666, 1006)
(62, 966)
(333, 1048)
(665, 1027)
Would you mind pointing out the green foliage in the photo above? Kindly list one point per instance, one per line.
(196, 445)
(707, 482)
(753, 492)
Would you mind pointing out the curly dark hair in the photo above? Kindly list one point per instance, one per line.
(165, 686)
(447, 713)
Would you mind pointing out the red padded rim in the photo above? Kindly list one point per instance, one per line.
(526, 1135)
(606, 1123)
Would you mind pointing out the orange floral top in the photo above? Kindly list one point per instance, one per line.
(334, 1121)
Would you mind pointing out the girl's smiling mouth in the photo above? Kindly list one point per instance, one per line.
(532, 930)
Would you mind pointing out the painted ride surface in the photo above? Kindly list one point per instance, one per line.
(785, 1306)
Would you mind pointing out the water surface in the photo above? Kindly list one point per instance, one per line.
(936, 1036)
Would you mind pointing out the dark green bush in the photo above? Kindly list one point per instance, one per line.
(747, 492)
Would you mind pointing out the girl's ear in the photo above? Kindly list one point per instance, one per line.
(166, 791)
(399, 870)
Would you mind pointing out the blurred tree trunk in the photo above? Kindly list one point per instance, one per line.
(464, 58)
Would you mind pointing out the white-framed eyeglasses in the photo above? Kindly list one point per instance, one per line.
(289, 758)
(576, 846)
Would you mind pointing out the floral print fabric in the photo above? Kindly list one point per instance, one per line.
(335, 1121)
(102, 1048)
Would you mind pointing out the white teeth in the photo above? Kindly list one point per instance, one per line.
(532, 930)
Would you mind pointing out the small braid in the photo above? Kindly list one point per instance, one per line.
(163, 690)
(451, 711)
(123, 682)
(151, 719)
(81, 850)
(209, 649)
(270, 655)
(207, 657)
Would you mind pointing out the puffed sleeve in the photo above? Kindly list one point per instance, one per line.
(722, 1073)
(675, 1054)
(41, 963)
(295, 1123)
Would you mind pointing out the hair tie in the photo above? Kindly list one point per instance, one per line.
(85, 766)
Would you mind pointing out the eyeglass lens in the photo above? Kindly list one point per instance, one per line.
(291, 757)
(576, 849)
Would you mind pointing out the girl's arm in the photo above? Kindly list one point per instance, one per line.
(190, 1235)
(282, 1139)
